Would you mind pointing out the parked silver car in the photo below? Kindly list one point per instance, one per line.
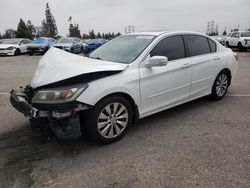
(70, 44)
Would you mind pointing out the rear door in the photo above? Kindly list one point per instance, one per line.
(165, 86)
(203, 56)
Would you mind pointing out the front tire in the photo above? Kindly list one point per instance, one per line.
(109, 120)
(17, 52)
(220, 85)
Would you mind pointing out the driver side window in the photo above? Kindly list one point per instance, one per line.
(170, 47)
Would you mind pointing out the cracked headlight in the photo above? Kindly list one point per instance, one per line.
(58, 95)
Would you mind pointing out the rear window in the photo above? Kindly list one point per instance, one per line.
(245, 34)
(197, 45)
(212, 45)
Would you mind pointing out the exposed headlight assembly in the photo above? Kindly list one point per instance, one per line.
(11, 48)
(58, 95)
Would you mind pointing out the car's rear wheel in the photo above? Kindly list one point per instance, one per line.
(109, 120)
(220, 85)
(240, 47)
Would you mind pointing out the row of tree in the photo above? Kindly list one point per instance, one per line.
(49, 29)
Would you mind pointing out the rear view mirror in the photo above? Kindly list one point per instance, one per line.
(157, 61)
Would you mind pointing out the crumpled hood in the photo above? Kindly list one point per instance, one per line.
(57, 65)
(8, 45)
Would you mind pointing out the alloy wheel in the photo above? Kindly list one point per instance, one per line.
(221, 85)
(112, 120)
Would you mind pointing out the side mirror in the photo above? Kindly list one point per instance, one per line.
(157, 61)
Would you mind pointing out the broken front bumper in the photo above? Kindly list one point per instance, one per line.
(62, 119)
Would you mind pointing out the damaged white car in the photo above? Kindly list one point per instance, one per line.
(128, 78)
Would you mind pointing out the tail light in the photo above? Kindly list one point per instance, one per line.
(236, 56)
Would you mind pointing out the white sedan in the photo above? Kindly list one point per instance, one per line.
(128, 78)
(14, 46)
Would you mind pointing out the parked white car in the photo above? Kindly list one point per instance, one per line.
(69, 44)
(239, 39)
(14, 46)
(128, 78)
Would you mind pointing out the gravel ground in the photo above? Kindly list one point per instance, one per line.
(199, 144)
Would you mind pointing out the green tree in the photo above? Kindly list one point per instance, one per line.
(22, 31)
(49, 27)
(31, 29)
(74, 31)
(92, 34)
(85, 36)
(98, 35)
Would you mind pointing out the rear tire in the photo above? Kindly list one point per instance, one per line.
(240, 47)
(227, 44)
(220, 85)
(109, 120)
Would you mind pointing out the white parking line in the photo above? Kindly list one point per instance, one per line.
(238, 95)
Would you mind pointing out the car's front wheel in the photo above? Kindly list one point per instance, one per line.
(109, 120)
(17, 52)
(220, 85)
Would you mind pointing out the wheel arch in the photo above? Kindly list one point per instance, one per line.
(227, 70)
(129, 99)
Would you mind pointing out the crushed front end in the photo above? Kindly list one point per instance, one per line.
(52, 108)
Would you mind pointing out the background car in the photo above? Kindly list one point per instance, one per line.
(239, 39)
(14, 46)
(220, 39)
(69, 44)
(40, 45)
(93, 44)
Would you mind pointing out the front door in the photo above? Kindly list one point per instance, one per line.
(165, 86)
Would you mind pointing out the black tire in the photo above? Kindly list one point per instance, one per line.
(240, 47)
(93, 116)
(220, 87)
(31, 53)
(227, 44)
(17, 52)
(72, 50)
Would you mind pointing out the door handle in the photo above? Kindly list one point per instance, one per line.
(186, 65)
(216, 58)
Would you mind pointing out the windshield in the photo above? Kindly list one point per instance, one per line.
(10, 41)
(123, 49)
(245, 34)
(93, 41)
(40, 41)
(65, 40)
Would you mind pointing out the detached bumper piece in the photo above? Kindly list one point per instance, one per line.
(62, 119)
(20, 104)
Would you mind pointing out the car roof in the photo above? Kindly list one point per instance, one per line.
(158, 33)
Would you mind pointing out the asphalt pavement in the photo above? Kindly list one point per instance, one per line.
(199, 144)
